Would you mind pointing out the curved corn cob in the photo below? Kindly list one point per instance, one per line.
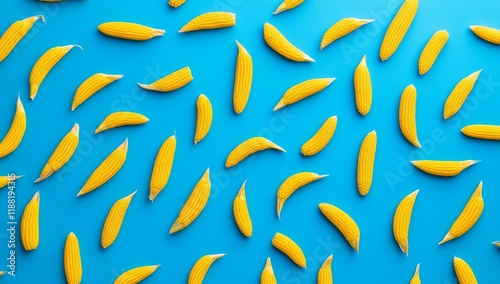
(241, 214)
(16, 131)
(366, 162)
(136, 275)
(44, 64)
(162, 167)
(302, 91)
(416, 277)
(176, 3)
(486, 33)
(289, 248)
(281, 45)
(325, 272)
(194, 205)
(464, 273)
(114, 220)
(91, 86)
(363, 87)
(130, 31)
(482, 131)
(497, 243)
(291, 184)
(106, 170)
(431, 51)
(341, 29)
(61, 155)
(343, 222)
(210, 21)
(321, 138)
(287, 5)
(4, 180)
(15, 33)
(459, 94)
(267, 275)
(72, 260)
(203, 118)
(30, 223)
(201, 267)
(443, 168)
(171, 82)
(398, 28)
(407, 113)
(401, 221)
(242, 79)
(469, 216)
(121, 118)
(249, 147)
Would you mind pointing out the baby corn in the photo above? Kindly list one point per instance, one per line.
(203, 118)
(210, 21)
(431, 51)
(366, 162)
(459, 94)
(325, 272)
(482, 131)
(162, 167)
(302, 91)
(401, 221)
(136, 275)
(407, 115)
(201, 267)
(287, 5)
(171, 82)
(486, 33)
(341, 29)
(289, 248)
(30, 223)
(249, 147)
(267, 275)
(443, 168)
(282, 46)
(72, 260)
(13, 35)
(363, 87)
(464, 272)
(130, 31)
(114, 220)
(241, 214)
(16, 131)
(343, 222)
(91, 86)
(121, 118)
(322, 137)
(242, 79)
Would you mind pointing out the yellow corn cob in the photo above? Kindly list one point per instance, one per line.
(91, 86)
(291, 184)
(267, 275)
(482, 131)
(171, 82)
(203, 119)
(194, 205)
(114, 220)
(4, 180)
(121, 118)
(201, 267)
(44, 64)
(366, 162)
(497, 243)
(322, 137)
(130, 31)
(431, 51)
(325, 272)
(443, 168)
(287, 5)
(407, 115)
(241, 214)
(106, 170)
(416, 276)
(464, 273)
(249, 147)
(302, 91)
(16, 131)
(210, 21)
(242, 79)
(469, 216)
(162, 167)
(401, 221)
(61, 155)
(343, 222)
(176, 3)
(486, 33)
(281, 45)
(398, 28)
(459, 94)
(341, 29)
(136, 275)
(363, 87)
(30, 223)
(290, 248)
(15, 33)
(72, 260)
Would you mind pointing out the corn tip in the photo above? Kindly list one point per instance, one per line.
(158, 32)
(40, 17)
(365, 21)
(147, 87)
(216, 256)
(308, 58)
(124, 145)
(472, 27)
(279, 206)
(282, 7)
(446, 238)
(280, 105)
(176, 227)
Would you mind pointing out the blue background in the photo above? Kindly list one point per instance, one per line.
(144, 238)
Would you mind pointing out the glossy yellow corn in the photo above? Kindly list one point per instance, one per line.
(398, 28)
(249, 147)
(366, 162)
(91, 86)
(341, 29)
(201, 267)
(171, 82)
(321, 138)
(210, 21)
(289, 248)
(30, 223)
(162, 167)
(241, 214)
(267, 275)
(363, 87)
(431, 51)
(114, 220)
(72, 260)
(121, 118)
(282, 46)
(469, 216)
(203, 118)
(459, 94)
(4, 180)
(416, 277)
(136, 275)
(242, 79)
(194, 205)
(482, 131)
(106, 170)
(464, 273)
(16, 131)
(287, 5)
(486, 33)
(302, 91)
(343, 222)
(443, 168)
(63, 152)
(325, 272)
(176, 3)
(130, 31)
(292, 184)
(407, 115)
(401, 220)
(13, 35)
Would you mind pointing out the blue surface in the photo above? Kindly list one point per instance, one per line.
(144, 238)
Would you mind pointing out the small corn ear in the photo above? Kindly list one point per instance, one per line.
(136, 275)
(482, 131)
(289, 248)
(209, 21)
(325, 271)
(443, 168)
(114, 220)
(91, 86)
(366, 162)
(249, 147)
(302, 91)
(282, 46)
(416, 277)
(341, 29)
(464, 272)
(321, 138)
(72, 260)
(241, 214)
(130, 31)
(242, 79)
(203, 118)
(162, 167)
(486, 33)
(30, 223)
(287, 5)
(121, 118)
(343, 222)
(459, 94)
(171, 82)
(201, 267)
(15, 33)
(407, 115)
(431, 51)
(267, 275)
(363, 87)
(16, 131)
(401, 220)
